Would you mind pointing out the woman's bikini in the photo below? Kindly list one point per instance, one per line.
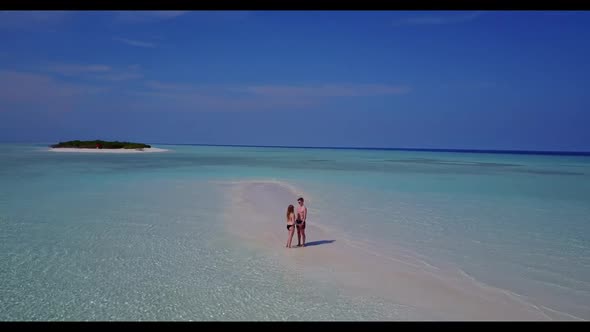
(289, 226)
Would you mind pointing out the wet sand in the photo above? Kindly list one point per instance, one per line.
(256, 215)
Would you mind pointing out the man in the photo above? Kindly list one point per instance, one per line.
(300, 222)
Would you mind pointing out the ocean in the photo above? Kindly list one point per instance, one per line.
(164, 236)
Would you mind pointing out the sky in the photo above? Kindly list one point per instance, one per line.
(502, 80)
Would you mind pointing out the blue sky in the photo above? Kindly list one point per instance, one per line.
(417, 79)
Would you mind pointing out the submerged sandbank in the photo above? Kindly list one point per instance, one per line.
(255, 214)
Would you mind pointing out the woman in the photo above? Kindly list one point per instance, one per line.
(290, 224)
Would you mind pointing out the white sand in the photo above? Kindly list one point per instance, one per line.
(358, 269)
(145, 150)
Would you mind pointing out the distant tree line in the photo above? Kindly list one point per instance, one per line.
(100, 145)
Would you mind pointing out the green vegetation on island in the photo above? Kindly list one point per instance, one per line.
(98, 144)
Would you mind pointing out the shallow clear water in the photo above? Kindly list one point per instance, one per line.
(140, 236)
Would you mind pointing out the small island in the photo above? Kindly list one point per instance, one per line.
(103, 146)
(98, 144)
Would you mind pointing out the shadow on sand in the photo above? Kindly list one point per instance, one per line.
(317, 243)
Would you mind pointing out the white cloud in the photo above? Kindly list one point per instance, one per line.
(76, 69)
(260, 97)
(439, 19)
(30, 19)
(171, 87)
(34, 89)
(96, 71)
(147, 16)
(325, 90)
(328, 90)
(123, 76)
(136, 43)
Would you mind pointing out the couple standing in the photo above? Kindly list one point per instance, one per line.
(298, 222)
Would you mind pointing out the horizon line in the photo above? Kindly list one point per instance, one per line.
(494, 151)
(457, 150)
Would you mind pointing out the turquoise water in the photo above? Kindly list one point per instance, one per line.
(140, 236)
